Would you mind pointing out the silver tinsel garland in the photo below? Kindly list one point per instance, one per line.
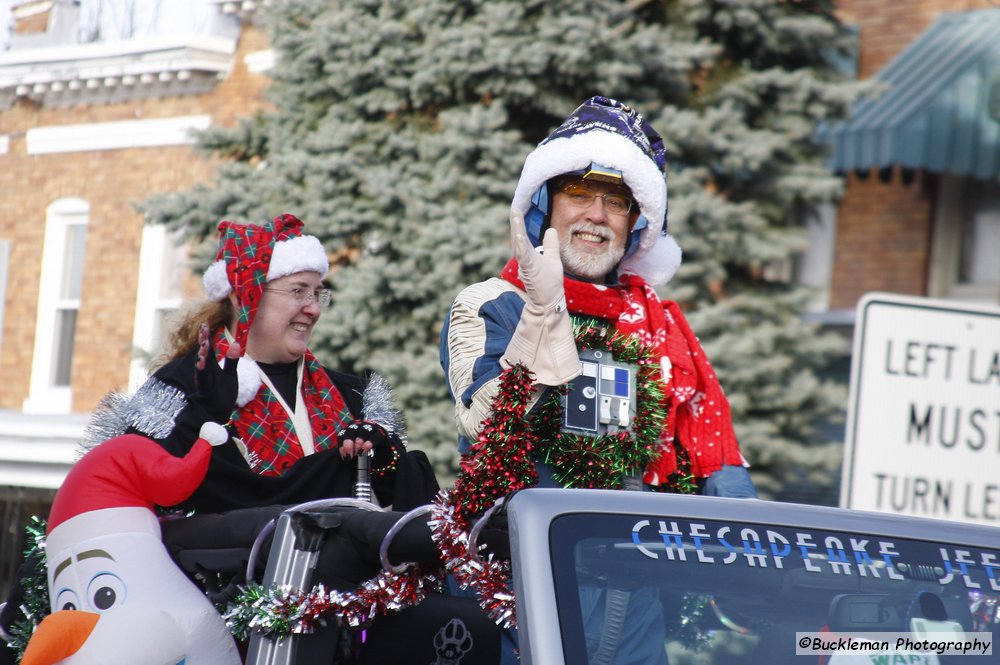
(377, 406)
(151, 410)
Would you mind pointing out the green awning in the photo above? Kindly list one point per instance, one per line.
(941, 111)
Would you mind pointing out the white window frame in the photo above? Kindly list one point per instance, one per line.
(946, 248)
(815, 264)
(44, 397)
(157, 255)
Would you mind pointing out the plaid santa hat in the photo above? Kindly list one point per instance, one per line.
(612, 141)
(250, 256)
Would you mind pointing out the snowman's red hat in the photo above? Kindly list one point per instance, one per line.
(131, 471)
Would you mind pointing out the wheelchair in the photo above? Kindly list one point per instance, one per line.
(339, 543)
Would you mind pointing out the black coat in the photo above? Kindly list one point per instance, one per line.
(232, 484)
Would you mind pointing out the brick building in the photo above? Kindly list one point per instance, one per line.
(86, 131)
(921, 214)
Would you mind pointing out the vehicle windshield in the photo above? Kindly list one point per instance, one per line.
(658, 591)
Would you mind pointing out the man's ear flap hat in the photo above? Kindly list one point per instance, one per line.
(607, 140)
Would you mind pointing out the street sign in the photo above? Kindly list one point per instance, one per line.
(923, 421)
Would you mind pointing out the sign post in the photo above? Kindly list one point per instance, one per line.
(923, 421)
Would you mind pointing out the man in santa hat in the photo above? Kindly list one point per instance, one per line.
(623, 396)
(588, 229)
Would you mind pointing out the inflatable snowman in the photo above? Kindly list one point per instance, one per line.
(117, 597)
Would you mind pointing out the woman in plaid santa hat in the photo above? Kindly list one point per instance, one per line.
(243, 359)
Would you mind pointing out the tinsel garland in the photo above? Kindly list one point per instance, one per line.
(486, 475)
(500, 462)
(600, 462)
(681, 481)
(490, 577)
(35, 586)
(282, 611)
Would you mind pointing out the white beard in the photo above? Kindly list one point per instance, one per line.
(587, 265)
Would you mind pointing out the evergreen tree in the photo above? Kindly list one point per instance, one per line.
(399, 130)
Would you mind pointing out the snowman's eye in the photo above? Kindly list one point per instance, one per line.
(105, 591)
(67, 599)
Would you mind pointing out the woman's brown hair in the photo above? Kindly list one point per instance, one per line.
(183, 339)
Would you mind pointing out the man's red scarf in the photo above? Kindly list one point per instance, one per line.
(698, 415)
(266, 428)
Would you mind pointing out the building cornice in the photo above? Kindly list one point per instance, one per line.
(107, 72)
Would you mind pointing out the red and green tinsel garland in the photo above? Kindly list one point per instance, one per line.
(496, 466)
(281, 611)
(600, 462)
(489, 577)
(500, 462)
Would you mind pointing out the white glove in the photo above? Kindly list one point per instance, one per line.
(543, 340)
(542, 274)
